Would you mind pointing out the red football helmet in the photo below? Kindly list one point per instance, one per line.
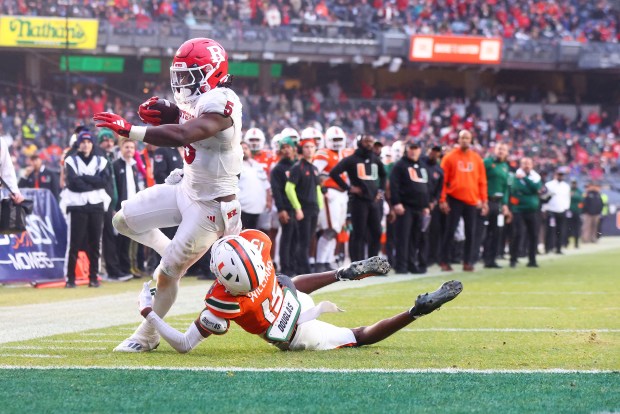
(198, 66)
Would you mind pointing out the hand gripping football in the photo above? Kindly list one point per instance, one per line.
(159, 111)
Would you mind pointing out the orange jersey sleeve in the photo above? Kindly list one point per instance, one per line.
(332, 158)
(255, 312)
(264, 158)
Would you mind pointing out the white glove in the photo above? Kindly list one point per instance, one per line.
(145, 299)
(174, 177)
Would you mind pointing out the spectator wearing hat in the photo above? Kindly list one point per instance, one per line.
(367, 175)
(525, 203)
(411, 202)
(573, 215)
(286, 214)
(592, 208)
(38, 176)
(85, 201)
(464, 193)
(497, 171)
(432, 238)
(303, 190)
(555, 209)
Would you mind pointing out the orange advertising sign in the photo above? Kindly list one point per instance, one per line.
(456, 49)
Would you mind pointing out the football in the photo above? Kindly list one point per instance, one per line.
(169, 111)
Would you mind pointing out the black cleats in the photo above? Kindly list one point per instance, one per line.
(429, 302)
(373, 266)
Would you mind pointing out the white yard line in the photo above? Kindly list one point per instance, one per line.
(320, 370)
(20, 323)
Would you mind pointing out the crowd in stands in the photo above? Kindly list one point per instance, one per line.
(579, 20)
(590, 142)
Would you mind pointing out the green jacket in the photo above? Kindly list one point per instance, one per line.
(524, 194)
(497, 178)
(576, 200)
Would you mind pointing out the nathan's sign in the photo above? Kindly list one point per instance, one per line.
(456, 49)
(49, 32)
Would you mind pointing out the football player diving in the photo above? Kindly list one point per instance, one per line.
(278, 308)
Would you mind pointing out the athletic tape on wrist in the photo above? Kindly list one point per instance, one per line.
(137, 133)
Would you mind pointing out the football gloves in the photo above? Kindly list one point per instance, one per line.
(114, 122)
(147, 115)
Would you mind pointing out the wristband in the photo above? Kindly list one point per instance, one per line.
(145, 312)
(137, 133)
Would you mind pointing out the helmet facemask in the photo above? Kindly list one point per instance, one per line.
(189, 83)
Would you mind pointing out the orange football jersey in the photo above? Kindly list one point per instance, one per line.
(332, 158)
(256, 311)
(265, 158)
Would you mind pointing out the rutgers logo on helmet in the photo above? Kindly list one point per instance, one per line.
(238, 265)
(255, 139)
(335, 138)
(198, 66)
(313, 133)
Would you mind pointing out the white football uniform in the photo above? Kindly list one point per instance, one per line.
(211, 168)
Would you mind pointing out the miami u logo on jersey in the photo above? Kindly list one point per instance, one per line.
(362, 172)
(465, 167)
(413, 175)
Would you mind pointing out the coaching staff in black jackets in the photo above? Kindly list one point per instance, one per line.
(40, 177)
(286, 212)
(410, 197)
(367, 176)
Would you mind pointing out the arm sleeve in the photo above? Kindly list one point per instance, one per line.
(337, 170)
(291, 194)
(319, 197)
(395, 186)
(382, 175)
(6, 168)
(182, 342)
(277, 191)
(482, 181)
(447, 170)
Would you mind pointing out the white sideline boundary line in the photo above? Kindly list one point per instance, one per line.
(318, 370)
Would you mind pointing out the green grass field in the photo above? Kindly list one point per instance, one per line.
(515, 340)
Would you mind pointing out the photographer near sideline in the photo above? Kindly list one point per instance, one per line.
(85, 200)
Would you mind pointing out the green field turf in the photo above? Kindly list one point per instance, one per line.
(563, 316)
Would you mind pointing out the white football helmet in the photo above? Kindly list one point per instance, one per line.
(313, 133)
(335, 138)
(398, 149)
(386, 155)
(274, 142)
(290, 133)
(238, 265)
(255, 139)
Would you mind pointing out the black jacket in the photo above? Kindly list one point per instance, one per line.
(120, 173)
(47, 179)
(366, 163)
(80, 182)
(410, 184)
(165, 160)
(435, 178)
(305, 176)
(278, 181)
